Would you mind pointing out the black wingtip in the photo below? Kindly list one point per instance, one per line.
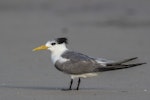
(143, 63)
(137, 64)
(134, 58)
(123, 66)
(62, 40)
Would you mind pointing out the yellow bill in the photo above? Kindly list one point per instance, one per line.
(42, 47)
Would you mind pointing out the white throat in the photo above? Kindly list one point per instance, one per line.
(56, 54)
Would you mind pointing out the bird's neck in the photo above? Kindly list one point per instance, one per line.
(56, 55)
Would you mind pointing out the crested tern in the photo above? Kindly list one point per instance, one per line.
(78, 65)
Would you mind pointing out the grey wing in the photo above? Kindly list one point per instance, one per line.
(80, 64)
(77, 64)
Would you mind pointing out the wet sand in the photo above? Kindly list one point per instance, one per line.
(113, 30)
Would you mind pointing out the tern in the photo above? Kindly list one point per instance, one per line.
(78, 65)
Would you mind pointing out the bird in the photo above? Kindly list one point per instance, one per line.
(79, 65)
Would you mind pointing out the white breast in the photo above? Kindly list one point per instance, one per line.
(55, 58)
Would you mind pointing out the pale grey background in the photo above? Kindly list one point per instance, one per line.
(114, 29)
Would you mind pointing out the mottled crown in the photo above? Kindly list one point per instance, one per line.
(62, 40)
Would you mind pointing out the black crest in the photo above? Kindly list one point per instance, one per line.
(62, 40)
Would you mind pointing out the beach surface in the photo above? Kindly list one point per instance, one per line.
(112, 29)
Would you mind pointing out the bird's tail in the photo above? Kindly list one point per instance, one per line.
(120, 65)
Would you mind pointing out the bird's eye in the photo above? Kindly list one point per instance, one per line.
(53, 43)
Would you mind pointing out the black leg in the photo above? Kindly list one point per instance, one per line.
(71, 84)
(70, 87)
(79, 81)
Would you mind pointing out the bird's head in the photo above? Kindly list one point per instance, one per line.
(58, 44)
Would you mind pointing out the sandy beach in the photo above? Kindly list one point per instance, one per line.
(111, 29)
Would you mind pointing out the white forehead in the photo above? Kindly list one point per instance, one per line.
(48, 43)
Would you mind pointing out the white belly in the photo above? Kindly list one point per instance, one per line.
(84, 75)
